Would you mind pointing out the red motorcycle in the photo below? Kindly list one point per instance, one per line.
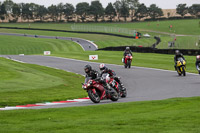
(96, 91)
(128, 60)
(114, 83)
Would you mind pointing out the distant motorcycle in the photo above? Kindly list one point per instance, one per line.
(181, 66)
(96, 91)
(127, 61)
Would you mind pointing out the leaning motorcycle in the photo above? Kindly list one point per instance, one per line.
(96, 91)
(115, 84)
(127, 61)
(181, 67)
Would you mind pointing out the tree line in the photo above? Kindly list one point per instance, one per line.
(83, 10)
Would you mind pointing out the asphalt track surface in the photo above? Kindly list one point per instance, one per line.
(85, 44)
(143, 84)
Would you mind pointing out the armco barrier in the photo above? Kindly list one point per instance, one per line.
(111, 34)
(152, 50)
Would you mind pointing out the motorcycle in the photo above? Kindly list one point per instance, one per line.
(181, 66)
(115, 84)
(128, 60)
(96, 91)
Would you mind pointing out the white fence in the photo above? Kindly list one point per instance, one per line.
(104, 29)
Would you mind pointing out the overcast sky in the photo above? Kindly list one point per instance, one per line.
(164, 4)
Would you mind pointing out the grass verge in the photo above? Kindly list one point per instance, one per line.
(26, 83)
(178, 115)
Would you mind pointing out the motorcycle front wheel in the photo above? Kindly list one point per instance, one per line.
(114, 95)
(94, 97)
(183, 69)
(129, 64)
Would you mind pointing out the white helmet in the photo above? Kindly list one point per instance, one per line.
(102, 67)
(198, 57)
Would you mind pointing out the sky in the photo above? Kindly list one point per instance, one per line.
(164, 4)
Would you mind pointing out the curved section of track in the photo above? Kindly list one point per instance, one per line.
(142, 83)
(85, 44)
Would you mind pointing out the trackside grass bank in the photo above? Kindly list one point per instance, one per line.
(22, 84)
(187, 27)
(178, 115)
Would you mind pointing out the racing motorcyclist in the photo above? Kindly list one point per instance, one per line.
(111, 73)
(197, 64)
(126, 52)
(94, 75)
(178, 54)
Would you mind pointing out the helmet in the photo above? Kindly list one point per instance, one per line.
(102, 67)
(87, 68)
(127, 48)
(198, 57)
(177, 52)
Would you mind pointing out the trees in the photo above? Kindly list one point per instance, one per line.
(155, 11)
(16, 12)
(96, 9)
(60, 8)
(53, 12)
(41, 12)
(124, 10)
(182, 9)
(68, 10)
(195, 10)
(2, 12)
(110, 11)
(82, 9)
(133, 5)
(141, 12)
(117, 6)
(26, 12)
(8, 7)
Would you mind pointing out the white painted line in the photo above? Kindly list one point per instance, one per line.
(79, 100)
(13, 108)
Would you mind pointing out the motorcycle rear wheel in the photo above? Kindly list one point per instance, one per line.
(124, 93)
(94, 97)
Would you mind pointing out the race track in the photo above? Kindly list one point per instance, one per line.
(142, 83)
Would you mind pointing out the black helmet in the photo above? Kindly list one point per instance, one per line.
(127, 48)
(102, 67)
(177, 52)
(87, 68)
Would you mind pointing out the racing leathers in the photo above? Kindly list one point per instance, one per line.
(197, 64)
(176, 59)
(112, 74)
(126, 52)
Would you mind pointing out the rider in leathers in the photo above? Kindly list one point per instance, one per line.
(94, 75)
(126, 52)
(178, 54)
(111, 73)
(197, 63)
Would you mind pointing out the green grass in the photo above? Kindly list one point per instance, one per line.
(102, 41)
(187, 27)
(178, 115)
(27, 45)
(26, 83)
